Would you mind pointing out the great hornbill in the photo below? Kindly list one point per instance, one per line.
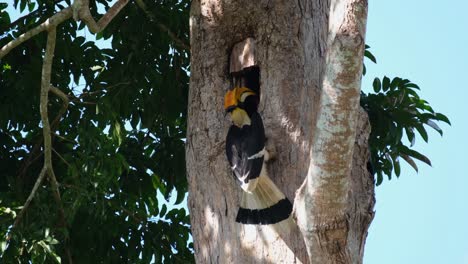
(262, 202)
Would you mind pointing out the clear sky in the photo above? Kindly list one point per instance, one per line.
(423, 217)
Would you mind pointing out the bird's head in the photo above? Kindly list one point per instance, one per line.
(238, 102)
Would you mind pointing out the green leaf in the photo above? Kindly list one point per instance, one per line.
(376, 84)
(422, 132)
(370, 56)
(379, 178)
(412, 85)
(99, 35)
(157, 184)
(395, 82)
(163, 211)
(385, 83)
(180, 197)
(434, 126)
(410, 161)
(443, 118)
(396, 166)
(117, 132)
(56, 257)
(417, 155)
(97, 68)
(410, 135)
(31, 6)
(81, 25)
(23, 5)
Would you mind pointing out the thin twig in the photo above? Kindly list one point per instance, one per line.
(36, 148)
(60, 94)
(86, 103)
(107, 89)
(51, 22)
(12, 25)
(28, 201)
(60, 157)
(71, 186)
(162, 27)
(65, 139)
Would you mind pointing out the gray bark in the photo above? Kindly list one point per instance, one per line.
(291, 41)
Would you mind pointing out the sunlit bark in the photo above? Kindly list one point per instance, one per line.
(310, 59)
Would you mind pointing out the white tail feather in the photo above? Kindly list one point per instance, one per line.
(264, 205)
(264, 195)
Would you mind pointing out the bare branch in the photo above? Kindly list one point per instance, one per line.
(63, 15)
(97, 92)
(44, 99)
(60, 94)
(34, 152)
(163, 27)
(36, 12)
(28, 201)
(61, 158)
(45, 88)
(85, 15)
(51, 22)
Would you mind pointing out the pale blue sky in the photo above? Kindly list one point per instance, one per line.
(423, 217)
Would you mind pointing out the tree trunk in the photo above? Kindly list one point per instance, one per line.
(293, 44)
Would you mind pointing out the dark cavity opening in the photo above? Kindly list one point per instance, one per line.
(248, 77)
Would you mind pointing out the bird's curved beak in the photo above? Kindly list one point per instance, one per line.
(229, 109)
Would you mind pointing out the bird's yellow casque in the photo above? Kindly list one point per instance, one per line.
(232, 99)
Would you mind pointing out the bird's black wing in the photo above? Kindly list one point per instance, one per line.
(244, 149)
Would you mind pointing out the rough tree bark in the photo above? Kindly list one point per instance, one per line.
(297, 46)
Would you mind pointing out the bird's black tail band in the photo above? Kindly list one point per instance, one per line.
(265, 205)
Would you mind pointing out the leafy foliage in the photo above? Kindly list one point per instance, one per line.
(118, 148)
(395, 110)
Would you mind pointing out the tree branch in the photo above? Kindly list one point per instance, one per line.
(163, 27)
(28, 201)
(55, 20)
(85, 15)
(40, 9)
(322, 202)
(20, 19)
(36, 148)
(44, 99)
(45, 88)
(51, 22)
